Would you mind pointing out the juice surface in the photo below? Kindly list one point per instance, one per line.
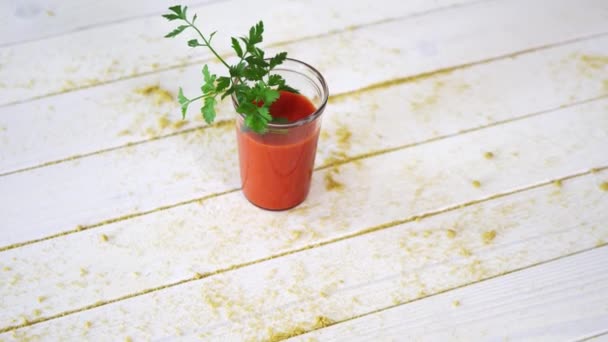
(276, 169)
(292, 107)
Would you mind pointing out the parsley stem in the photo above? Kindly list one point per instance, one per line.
(207, 44)
(196, 98)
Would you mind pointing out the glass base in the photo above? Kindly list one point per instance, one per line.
(272, 209)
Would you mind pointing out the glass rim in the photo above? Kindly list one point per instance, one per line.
(310, 118)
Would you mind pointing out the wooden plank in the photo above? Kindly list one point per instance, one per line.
(117, 114)
(352, 277)
(173, 245)
(564, 300)
(32, 20)
(95, 56)
(105, 187)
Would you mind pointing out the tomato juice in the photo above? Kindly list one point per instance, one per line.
(277, 166)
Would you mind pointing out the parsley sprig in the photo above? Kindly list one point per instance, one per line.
(250, 79)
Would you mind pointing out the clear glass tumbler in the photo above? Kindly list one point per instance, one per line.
(277, 166)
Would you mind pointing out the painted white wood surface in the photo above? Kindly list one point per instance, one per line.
(345, 252)
(173, 245)
(562, 300)
(203, 169)
(358, 275)
(95, 56)
(116, 114)
(26, 20)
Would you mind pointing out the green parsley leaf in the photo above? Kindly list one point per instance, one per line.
(257, 61)
(275, 80)
(237, 71)
(177, 10)
(278, 59)
(171, 17)
(183, 14)
(253, 72)
(223, 82)
(208, 109)
(256, 32)
(209, 86)
(237, 47)
(183, 101)
(270, 95)
(256, 123)
(264, 112)
(245, 107)
(177, 31)
(246, 42)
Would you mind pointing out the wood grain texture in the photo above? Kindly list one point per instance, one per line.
(90, 190)
(113, 115)
(173, 245)
(564, 300)
(24, 21)
(95, 56)
(345, 279)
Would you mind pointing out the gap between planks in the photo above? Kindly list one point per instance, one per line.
(332, 99)
(328, 242)
(319, 168)
(603, 335)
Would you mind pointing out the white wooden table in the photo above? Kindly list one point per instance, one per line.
(469, 139)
